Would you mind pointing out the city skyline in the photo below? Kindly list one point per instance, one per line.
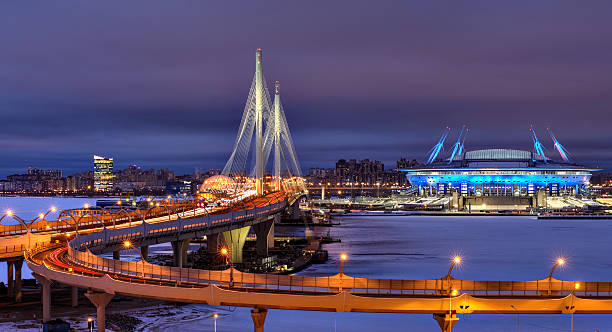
(169, 95)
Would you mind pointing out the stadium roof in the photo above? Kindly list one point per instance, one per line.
(498, 154)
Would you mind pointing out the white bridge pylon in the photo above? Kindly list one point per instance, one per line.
(257, 114)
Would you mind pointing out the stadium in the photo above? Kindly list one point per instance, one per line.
(499, 177)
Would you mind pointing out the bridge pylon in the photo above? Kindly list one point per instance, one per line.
(258, 114)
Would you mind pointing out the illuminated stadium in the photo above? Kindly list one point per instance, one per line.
(499, 172)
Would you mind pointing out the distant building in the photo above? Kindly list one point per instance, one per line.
(35, 181)
(103, 174)
(366, 173)
(180, 187)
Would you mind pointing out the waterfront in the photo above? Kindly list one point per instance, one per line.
(418, 247)
(506, 248)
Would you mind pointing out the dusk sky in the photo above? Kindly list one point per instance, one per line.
(163, 83)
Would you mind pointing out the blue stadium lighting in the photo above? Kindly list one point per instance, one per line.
(438, 147)
(562, 151)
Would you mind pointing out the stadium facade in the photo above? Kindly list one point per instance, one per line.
(499, 172)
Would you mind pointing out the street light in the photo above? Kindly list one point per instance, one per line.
(576, 287)
(456, 260)
(90, 324)
(343, 258)
(215, 316)
(450, 301)
(225, 252)
(42, 216)
(7, 213)
(127, 244)
(560, 261)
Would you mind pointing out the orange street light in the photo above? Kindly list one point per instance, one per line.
(215, 316)
(127, 244)
(560, 261)
(456, 260)
(343, 258)
(225, 252)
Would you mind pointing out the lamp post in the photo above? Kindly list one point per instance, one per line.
(343, 258)
(560, 261)
(225, 252)
(42, 216)
(452, 292)
(450, 301)
(215, 316)
(90, 324)
(127, 244)
(456, 260)
(7, 213)
(576, 287)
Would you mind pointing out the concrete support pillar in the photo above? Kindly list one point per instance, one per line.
(144, 250)
(212, 243)
(259, 319)
(179, 249)
(235, 242)
(117, 254)
(18, 264)
(446, 321)
(74, 292)
(264, 231)
(10, 278)
(100, 300)
(45, 293)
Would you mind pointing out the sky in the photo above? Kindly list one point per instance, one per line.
(162, 84)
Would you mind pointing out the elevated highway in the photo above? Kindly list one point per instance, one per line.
(77, 265)
(167, 221)
(444, 297)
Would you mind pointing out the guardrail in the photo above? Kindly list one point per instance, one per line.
(106, 237)
(73, 219)
(142, 272)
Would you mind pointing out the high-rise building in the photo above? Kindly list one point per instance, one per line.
(103, 173)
